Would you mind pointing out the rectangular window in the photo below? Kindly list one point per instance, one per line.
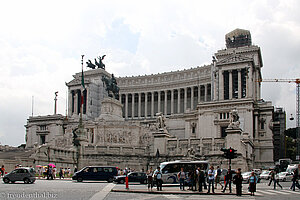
(223, 132)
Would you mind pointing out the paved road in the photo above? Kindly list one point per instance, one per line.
(66, 189)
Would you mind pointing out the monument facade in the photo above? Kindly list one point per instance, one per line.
(166, 116)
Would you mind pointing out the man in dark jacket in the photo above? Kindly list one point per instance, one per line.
(201, 179)
(238, 180)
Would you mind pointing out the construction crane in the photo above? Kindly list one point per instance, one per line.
(297, 81)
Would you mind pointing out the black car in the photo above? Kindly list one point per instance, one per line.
(139, 177)
(98, 173)
(25, 174)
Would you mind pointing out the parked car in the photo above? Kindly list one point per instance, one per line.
(98, 173)
(139, 177)
(284, 176)
(26, 174)
(246, 176)
(265, 175)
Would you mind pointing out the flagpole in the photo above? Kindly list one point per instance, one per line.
(82, 99)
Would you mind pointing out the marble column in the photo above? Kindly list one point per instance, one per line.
(132, 109)
(178, 103)
(139, 104)
(185, 100)
(152, 104)
(166, 100)
(172, 101)
(199, 96)
(230, 84)
(205, 92)
(249, 88)
(239, 83)
(158, 101)
(126, 105)
(192, 98)
(146, 104)
(75, 102)
(221, 85)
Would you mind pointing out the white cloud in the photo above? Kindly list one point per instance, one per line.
(41, 44)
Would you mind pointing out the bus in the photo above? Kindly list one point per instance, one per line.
(170, 169)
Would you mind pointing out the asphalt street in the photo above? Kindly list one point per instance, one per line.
(67, 189)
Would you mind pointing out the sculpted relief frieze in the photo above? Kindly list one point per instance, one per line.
(114, 136)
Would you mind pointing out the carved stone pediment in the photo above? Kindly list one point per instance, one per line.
(234, 58)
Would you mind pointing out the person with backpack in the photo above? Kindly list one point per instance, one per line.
(218, 177)
(158, 177)
(181, 176)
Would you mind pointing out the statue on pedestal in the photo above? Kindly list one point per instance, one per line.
(234, 122)
(111, 86)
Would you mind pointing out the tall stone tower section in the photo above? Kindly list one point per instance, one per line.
(93, 95)
(237, 68)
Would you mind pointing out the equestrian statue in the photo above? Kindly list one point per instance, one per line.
(111, 86)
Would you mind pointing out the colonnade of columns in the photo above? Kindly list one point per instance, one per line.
(76, 101)
(235, 83)
(170, 101)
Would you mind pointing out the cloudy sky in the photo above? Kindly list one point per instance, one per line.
(41, 43)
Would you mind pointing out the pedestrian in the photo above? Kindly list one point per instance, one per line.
(228, 179)
(54, 172)
(39, 172)
(2, 170)
(238, 180)
(205, 180)
(195, 178)
(61, 173)
(150, 178)
(295, 180)
(211, 179)
(273, 178)
(201, 179)
(218, 177)
(181, 177)
(158, 177)
(252, 183)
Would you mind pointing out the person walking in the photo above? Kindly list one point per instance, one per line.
(228, 179)
(201, 179)
(181, 176)
(61, 173)
(218, 177)
(158, 177)
(2, 170)
(195, 178)
(273, 178)
(295, 180)
(238, 180)
(150, 178)
(252, 183)
(211, 179)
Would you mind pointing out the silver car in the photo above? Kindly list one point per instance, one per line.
(284, 176)
(25, 174)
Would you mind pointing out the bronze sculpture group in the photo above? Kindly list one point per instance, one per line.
(98, 64)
